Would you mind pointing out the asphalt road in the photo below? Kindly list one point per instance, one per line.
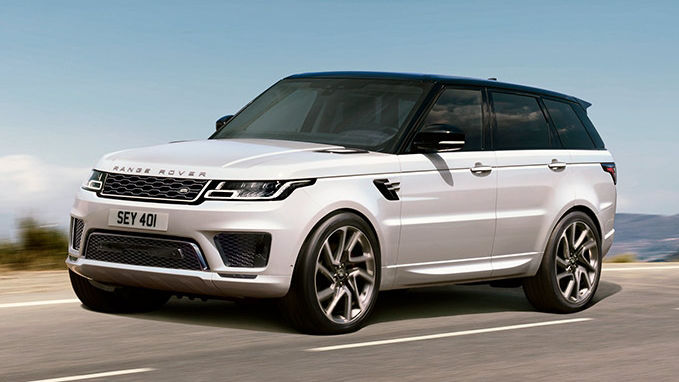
(443, 333)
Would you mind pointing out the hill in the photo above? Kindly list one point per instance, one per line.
(650, 237)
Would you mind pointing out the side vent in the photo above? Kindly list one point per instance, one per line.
(387, 188)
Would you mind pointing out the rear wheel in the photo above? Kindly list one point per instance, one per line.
(116, 299)
(336, 282)
(571, 267)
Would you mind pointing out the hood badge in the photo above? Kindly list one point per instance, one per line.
(162, 171)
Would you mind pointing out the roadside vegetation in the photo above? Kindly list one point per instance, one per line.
(621, 258)
(632, 258)
(38, 247)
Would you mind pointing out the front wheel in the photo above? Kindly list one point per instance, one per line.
(336, 282)
(571, 267)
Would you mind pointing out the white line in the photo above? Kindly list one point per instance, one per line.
(96, 375)
(449, 334)
(642, 268)
(36, 303)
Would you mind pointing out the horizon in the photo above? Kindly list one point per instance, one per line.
(83, 79)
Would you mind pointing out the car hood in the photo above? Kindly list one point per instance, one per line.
(247, 159)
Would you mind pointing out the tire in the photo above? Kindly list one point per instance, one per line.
(334, 291)
(569, 274)
(118, 299)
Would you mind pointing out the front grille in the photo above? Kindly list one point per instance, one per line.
(143, 250)
(244, 249)
(152, 187)
(76, 232)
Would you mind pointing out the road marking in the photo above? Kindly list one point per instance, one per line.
(96, 375)
(444, 335)
(642, 268)
(36, 303)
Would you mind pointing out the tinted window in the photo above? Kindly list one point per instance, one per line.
(580, 111)
(571, 131)
(460, 108)
(359, 113)
(520, 123)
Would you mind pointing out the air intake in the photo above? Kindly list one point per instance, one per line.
(244, 249)
(77, 226)
(144, 250)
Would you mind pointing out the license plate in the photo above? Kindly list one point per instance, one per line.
(138, 219)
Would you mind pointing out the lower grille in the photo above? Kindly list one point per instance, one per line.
(143, 250)
(244, 249)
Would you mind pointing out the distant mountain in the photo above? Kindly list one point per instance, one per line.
(650, 237)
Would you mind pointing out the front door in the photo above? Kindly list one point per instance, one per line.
(448, 200)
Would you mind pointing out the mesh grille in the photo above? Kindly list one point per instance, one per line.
(152, 187)
(147, 251)
(244, 249)
(76, 232)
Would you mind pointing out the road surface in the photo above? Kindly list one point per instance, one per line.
(443, 333)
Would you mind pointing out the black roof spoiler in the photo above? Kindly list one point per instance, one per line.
(583, 103)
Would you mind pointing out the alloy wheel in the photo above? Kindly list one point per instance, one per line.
(577, 262)
(345, 275)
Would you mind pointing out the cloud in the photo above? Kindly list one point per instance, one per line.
(33, 187)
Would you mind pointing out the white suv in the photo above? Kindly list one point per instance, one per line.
(330, 187)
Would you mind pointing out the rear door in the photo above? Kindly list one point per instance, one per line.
(448, 199)
(533, 179)
(587, 154)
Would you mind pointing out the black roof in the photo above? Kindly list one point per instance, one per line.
(443, 79)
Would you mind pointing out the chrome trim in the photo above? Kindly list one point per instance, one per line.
(443, 262)
(94, 185)
(394, 186)
(196, 248)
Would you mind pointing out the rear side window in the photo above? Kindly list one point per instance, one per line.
(460, 108)
(519, 123)
(571, 131)
(598, 143)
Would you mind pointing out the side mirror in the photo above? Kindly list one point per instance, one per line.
(221, 122)
(439, 137)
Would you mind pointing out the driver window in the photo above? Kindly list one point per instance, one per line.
(460, 108)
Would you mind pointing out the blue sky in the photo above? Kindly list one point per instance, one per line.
(79, 79)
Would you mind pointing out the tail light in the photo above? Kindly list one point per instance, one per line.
(610, 168)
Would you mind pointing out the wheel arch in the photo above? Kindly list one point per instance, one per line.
(587, 210)
(327, 216)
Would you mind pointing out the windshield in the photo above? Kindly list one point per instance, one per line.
(358, 113)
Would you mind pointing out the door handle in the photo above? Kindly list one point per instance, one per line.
(556, 165)
(479, 168)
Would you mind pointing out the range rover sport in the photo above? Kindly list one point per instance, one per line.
(330, 187)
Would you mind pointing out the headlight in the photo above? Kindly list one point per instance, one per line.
(95, 182)
(258, 190)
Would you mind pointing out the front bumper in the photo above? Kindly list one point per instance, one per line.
(181, 281)
(288, 221)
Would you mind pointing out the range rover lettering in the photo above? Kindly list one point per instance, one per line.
(331, 187)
